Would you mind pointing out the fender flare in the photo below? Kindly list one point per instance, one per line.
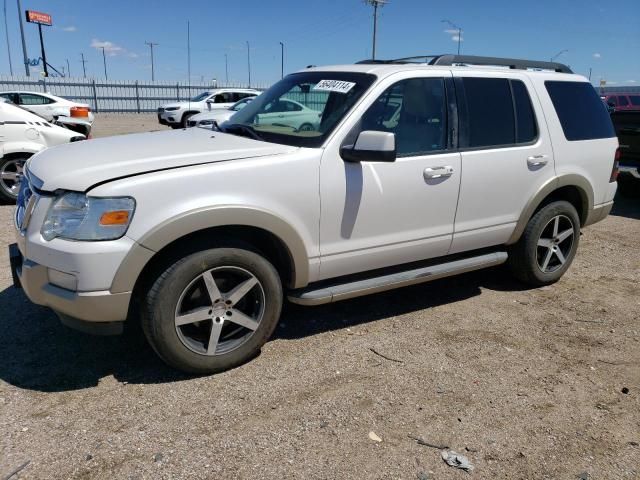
(196, 220)
(21, 147)
(569, 180)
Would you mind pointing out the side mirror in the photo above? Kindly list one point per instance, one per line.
(371, 146)
(209, 102)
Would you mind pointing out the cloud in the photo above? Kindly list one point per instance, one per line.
(70, 28)
(631, 81)
(132, 55)
(597, 55)
(454, 32)
(110, 48)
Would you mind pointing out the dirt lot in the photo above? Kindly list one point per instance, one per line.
(525, 383)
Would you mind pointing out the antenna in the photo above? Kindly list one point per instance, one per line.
(375, 4)
(151, 45)
(455, 27)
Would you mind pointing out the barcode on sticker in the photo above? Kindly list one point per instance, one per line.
(334, 86)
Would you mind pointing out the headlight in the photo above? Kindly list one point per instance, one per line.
(171, 109)
(75, 216)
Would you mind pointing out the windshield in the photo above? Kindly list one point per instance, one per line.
(303, 108)
(241, 104)
(201, 97)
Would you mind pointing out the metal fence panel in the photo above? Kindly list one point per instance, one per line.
(120, 96)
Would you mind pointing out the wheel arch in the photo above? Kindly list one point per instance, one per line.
(573, 188)
(278, 241)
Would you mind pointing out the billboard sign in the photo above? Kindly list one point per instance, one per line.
(38, 17)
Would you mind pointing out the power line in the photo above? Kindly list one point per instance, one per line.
(151, 45)
(6, 29)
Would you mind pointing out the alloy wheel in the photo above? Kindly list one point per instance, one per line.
(555, 244)
(10, 176)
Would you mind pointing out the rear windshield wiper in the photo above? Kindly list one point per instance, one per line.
(245, 130)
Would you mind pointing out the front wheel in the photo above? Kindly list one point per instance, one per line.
(548, 245)
(10, 175)
(213, 310)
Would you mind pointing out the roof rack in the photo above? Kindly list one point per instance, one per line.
(512, 63)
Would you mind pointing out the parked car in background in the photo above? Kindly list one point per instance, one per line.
(623, 101)
(202, 236)
(218, 115)
(23, 133)
(51, 107)
(627, 126)
(177, 114)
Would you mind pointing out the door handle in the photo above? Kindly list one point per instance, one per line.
(537, 160)
(438, 172)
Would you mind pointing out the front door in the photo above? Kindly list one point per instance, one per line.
(376, 214)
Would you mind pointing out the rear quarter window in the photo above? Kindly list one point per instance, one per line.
(580, 110)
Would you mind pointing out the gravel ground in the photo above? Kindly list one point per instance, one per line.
(527, 383)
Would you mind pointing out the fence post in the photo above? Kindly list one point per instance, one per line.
(44, 84)
(177, 92)
(95, 96)
(137, 97)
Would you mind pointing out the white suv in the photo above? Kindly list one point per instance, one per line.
(177, 114)
(415, 171)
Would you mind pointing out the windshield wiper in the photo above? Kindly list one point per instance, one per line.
(246, 130)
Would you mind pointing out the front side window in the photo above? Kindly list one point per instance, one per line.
(622, 101)
(635, 100)
(200, 98)
(415, 111)
(302, 109)
(579, 110)
(612, 101)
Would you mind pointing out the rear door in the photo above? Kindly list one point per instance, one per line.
(506, 155)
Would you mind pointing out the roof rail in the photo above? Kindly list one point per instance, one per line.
(512, 63)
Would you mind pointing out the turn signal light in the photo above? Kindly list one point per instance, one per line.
(117, 217)
(81, 112)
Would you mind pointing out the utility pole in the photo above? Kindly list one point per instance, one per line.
(281, 60)
(249, 61)
(455, 27)
(68, 68)
(84, 70)
(189, 57)
(151, 44)
(375, 4)
(44, 55)
(104, 61)
(226, 68)
(6, 29)
(24, 45)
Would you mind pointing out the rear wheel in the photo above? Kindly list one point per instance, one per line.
(11, 169)
(548, 245)
(213, 310)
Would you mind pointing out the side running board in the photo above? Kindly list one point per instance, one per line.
(358, 288)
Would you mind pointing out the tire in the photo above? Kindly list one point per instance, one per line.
(548, 245)
(10, 169)
(182, 308)
(185, 119)
(305, 127)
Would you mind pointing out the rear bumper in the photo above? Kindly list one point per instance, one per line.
(630, 170)
(599, 213)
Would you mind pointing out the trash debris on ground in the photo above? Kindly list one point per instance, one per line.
(583, 476)
(384, 356)
(420, 441)
(17, 470)
(374, 437)
(456, 460)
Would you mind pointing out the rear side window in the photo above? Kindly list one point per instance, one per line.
(622, 101)
(635, 100)
(526, 127)
(490, 109)
(580, 110)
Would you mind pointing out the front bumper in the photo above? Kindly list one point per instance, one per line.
(170, 118)
(71, 306)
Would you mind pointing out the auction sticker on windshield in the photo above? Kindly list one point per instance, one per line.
(338, 86)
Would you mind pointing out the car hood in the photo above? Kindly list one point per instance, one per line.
(80, 165)
(184, 105)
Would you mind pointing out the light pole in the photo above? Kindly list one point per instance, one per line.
(6, 29)
(375, 4)
(281, 60)
(84, 70)
(151, 45)
(456, 27)
(249, 61)
(68, 68)
(104, 61)
(558, 54)
(24, 45)
(226, 68)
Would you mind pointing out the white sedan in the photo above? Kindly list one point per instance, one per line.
(217, 115)
(49, 106)
(289, 113)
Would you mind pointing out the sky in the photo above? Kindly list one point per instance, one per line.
(591, 34)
